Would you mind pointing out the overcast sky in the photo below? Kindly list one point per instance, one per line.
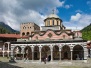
(74, 13)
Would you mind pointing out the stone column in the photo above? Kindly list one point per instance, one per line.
(71, 54)
(52, 54)
(23, 53)
(40, 52)
(85, 53)
(3, 50)
(32, 53)
(60, 54)
(8, 49)
(90, 52)
(12, 55)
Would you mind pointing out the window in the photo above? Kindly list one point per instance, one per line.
(36, 37)
(24, 27)
(23, 34)
(28, 27)
(53, 22)
(48, 23)
(27, 33)
(50, 35)
(57, 23)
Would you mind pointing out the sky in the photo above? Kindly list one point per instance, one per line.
(76, 14)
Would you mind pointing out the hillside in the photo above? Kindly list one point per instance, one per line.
(4, 28)
(86, 32)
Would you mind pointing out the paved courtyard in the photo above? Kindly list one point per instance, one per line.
(36, 64)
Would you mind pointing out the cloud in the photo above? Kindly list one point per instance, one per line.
(22, 11)
(67, 6)
(89, 3)
(78, 21)
(78, 11)
(76, 17)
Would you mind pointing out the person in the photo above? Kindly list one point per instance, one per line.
(49, 58)
(45, 59)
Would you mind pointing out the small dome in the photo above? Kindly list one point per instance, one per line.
(53, 16)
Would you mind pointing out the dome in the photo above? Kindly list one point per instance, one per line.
(53, 16)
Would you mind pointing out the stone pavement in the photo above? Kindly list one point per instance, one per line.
(54, 64)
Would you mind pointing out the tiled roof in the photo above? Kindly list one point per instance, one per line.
(12, 36)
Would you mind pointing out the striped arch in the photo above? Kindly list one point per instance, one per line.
(17, 51)
(78, 52)
(56, 54)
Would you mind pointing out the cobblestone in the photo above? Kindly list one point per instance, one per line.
(38, 64)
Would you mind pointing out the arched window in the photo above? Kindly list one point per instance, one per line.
(24, 27)
(28, 33)
(23, 34)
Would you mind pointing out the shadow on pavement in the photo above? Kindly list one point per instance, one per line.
(7, 65)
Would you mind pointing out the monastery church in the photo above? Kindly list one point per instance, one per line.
(54, 42)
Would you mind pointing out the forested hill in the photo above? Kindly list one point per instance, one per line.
(86, 32)
(4, 28)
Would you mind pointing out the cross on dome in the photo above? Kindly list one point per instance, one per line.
(53, 11)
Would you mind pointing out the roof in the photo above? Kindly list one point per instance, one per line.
(53, 16)
(12, 36)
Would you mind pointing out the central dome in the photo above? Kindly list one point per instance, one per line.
(53, 16)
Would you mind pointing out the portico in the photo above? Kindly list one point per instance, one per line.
(53, 50)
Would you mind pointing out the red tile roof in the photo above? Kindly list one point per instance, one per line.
(12, 36)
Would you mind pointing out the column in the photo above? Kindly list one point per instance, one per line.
(60, 54)
(3, 50)
(71, 54)
(12, 55)
(8, 49)
(23, 53)
(32, 56)
(32, 53)
(85, 53)
(40, 52)
(51, 54)
(90, 52)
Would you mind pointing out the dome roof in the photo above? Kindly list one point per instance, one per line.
(53, 16)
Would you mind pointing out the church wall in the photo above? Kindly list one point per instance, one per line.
(54, 36)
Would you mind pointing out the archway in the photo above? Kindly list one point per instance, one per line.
(56, 53)
(23, 34)
(17, 52)
(28, 33)
(45, 53)
(78, 52)
(36, 53)
(28, 53)
(65, 53)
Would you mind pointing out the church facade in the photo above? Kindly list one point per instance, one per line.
(54, 42)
